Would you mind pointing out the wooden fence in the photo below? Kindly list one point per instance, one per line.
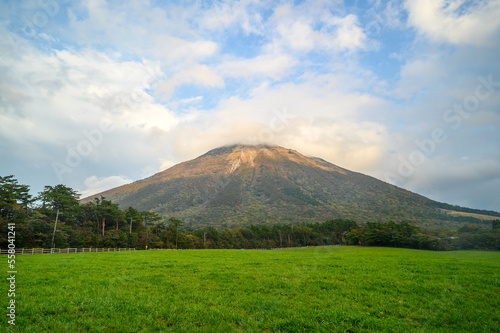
(95, 249)
(66, 250)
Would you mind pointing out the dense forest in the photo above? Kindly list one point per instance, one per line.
(56, 218)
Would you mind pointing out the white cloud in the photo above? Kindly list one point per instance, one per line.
(52, 100)
(269, 65)
(420, 73)
(94, 184)
(309, 117)
(165, 164)
(456, 21)
(201, 74)
(145, 29)
(175, 50)
(299, 35)
(190, 74)
(349, 36)
(356, 145)
(226, 14)
(296, 30)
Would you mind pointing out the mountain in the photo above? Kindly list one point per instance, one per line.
(238, 185)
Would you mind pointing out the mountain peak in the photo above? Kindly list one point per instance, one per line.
(237, 147)
(240, 155)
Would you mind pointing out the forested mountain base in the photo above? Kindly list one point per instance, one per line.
(100, 223)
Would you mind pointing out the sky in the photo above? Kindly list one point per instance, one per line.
(95, 94)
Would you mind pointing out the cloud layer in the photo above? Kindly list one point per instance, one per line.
(98, 93)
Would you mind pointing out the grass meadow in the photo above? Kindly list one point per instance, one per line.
(329, 289)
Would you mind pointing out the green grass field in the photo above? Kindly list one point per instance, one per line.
(333, 289)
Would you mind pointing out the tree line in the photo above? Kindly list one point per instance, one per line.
(56, 218)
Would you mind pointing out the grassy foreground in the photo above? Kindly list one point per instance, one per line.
(335, 289)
